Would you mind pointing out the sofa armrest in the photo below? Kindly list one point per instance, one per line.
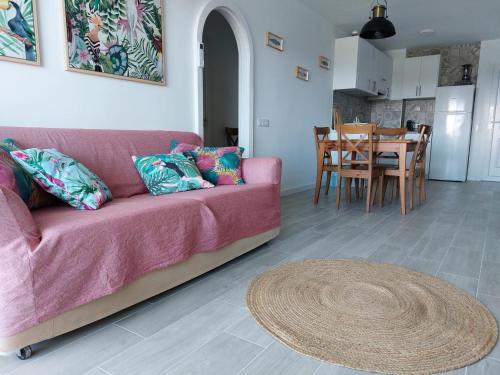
(19, 236)
(262, 170)
(16, 221)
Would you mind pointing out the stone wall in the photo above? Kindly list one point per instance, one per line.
(452, 59)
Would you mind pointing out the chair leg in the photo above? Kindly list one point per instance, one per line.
(369, 194)
(356, 184)
(394, 188)
(348, 182)
(411, 188)
(319, 181)
(328, 182)
(381, 190)
(338, 189)
(386, 185)
(422, 187)
(375, 192)
(419, 190)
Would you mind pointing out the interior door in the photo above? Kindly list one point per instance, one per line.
(411, 77)
(495, 147)
(429, 76)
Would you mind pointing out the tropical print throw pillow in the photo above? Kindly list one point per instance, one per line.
(64, 177)
(182, 148)
(219, 165)
(167, 174)
(15, 178)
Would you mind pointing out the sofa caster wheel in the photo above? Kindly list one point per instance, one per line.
(24, 353)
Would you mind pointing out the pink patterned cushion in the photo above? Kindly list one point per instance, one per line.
(218, 165)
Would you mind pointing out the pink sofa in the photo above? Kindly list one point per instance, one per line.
(61, 268)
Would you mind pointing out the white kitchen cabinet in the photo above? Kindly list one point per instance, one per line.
(399, 58)
(365, 79)
(360, 68)
(420, 77)
(429, 76)
(384, 79)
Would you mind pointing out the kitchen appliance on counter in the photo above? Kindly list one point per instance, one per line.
(451, 133)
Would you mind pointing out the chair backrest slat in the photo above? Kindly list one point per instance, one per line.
(320, 134)
(399, 133)
(348, 145)
(424, 136)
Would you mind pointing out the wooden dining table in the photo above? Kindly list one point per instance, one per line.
(401, 147)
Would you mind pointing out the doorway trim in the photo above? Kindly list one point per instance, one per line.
(241, 30)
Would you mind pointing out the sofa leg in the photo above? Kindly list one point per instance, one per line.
(24, 353)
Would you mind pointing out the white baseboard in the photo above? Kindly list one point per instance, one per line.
(297, 189)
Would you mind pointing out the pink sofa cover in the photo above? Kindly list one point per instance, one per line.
(58, 258)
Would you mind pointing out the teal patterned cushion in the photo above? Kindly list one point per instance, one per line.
(64, 177)
(166, 174)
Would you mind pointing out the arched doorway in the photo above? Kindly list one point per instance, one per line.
(220, 82)
(239, 27)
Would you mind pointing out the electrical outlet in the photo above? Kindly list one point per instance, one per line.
(264, 123)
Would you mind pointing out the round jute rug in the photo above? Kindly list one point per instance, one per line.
(372, 317)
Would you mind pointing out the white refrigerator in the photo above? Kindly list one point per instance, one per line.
(451, 133)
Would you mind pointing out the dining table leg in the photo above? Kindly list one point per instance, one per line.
(402, 177)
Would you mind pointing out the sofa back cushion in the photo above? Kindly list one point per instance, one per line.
(108, 153)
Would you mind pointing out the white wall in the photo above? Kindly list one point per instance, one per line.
(482, 131)
(51, 97)
(220, 79)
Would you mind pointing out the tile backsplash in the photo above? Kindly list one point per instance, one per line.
(421, 111)
(387, 113)
(351, 106)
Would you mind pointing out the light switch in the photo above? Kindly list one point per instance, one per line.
(264, 123)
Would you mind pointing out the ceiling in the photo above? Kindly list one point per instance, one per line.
(454, 21)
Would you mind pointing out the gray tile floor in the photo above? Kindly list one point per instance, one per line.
(203, 327)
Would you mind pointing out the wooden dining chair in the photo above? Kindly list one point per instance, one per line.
(356, 158)
(416, 172)
(396, 133)
(324, 162)
(232, 135)
(337, 118)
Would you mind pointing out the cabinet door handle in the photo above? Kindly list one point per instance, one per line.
(420, 90)
(416, 91)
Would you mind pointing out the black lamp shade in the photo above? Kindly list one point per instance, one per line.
(379, 26)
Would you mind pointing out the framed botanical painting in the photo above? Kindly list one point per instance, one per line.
(302, 73)
(275, 41)
(19, 32)
(118, 39)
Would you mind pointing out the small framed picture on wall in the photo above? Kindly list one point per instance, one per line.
(19, 40)
(325, 62)
(275, 41)
(302, 73)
